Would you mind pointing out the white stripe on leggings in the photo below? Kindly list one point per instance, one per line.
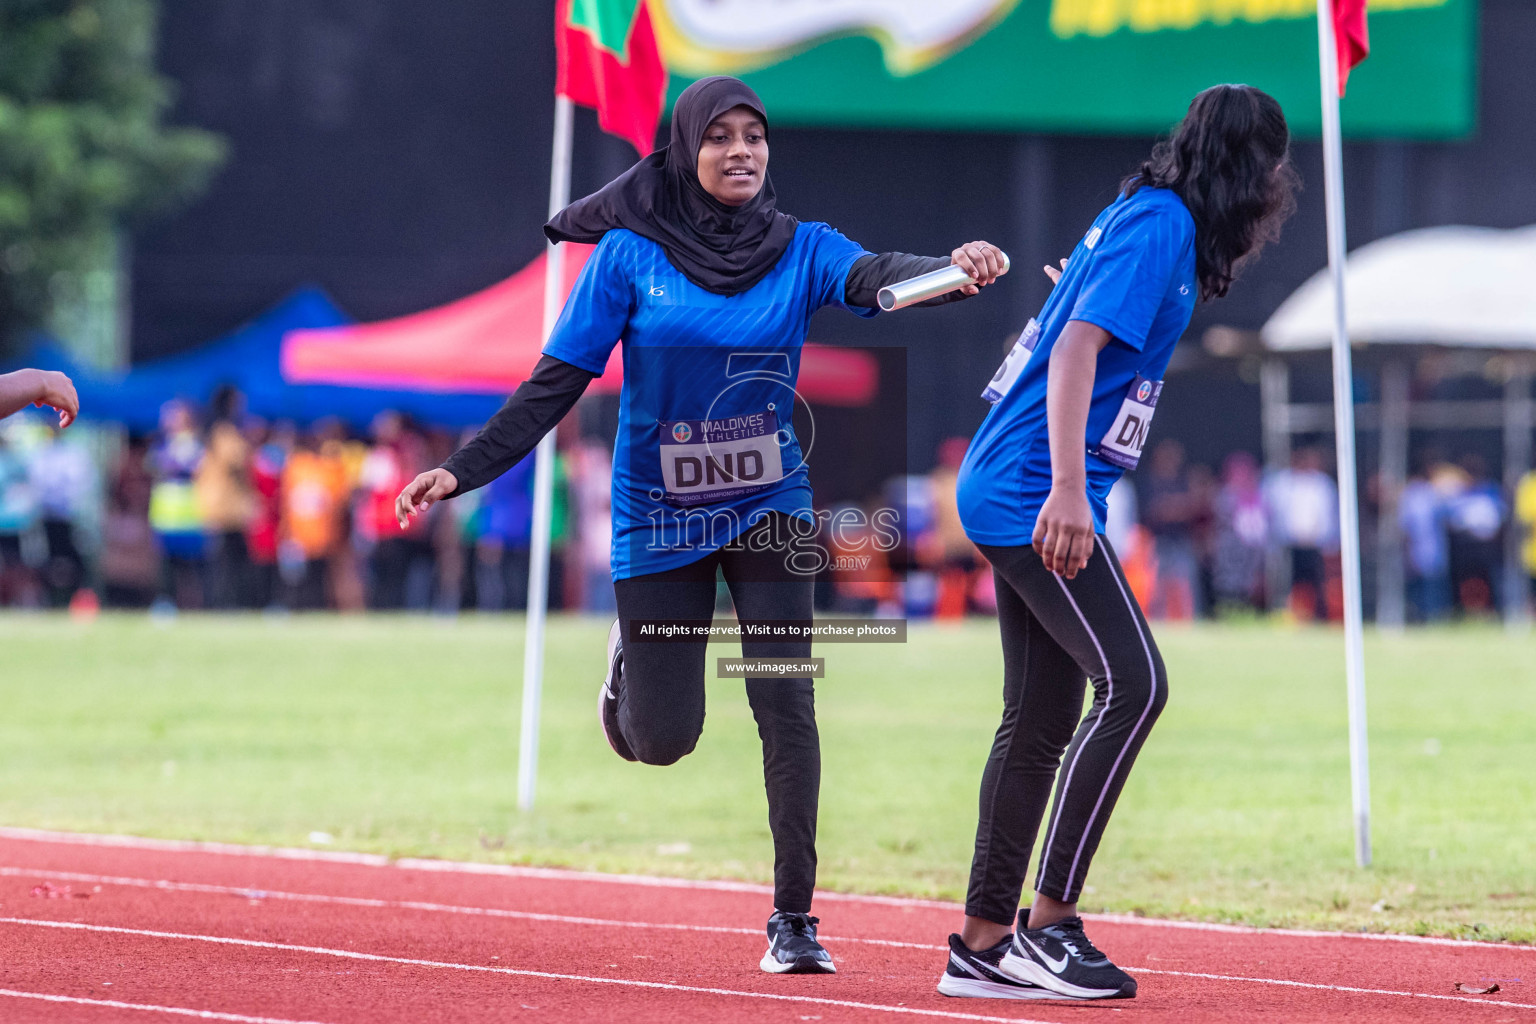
(1109, 697)
(1066, 785)
(1151, 699)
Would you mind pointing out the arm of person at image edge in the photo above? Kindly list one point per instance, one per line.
(39, 387)
(1127, 277)
(593, 320)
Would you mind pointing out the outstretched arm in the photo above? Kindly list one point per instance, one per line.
(39, 387)
(869, 274)
(535, 407)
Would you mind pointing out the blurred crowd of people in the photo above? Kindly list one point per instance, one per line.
(237, 513)
(243, 514)
(1454, 519)
(1198, 544)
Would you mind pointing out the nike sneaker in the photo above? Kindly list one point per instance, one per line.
(608, 696)
(1061, 958)
(976, 974)
(792, 946)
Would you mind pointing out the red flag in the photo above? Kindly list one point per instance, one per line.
(1349, 36)
(607, 59)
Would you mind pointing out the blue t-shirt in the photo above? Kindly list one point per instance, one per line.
(706, 440)
(1133, 274)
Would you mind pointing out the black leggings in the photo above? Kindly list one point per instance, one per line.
(1057, 633)
(661, 704)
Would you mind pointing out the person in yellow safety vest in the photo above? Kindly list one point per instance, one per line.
(1525, 515)
(174, 514)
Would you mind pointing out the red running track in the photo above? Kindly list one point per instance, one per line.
(109, 928)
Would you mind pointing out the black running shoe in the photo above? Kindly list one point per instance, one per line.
(792, 946)
(1062, 959)
(608, 696)
(976, 974)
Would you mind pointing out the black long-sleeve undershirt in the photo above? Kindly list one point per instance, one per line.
(548, 394)
(535, 407)
(871, 273)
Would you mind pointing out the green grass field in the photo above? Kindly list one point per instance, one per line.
(399, 735)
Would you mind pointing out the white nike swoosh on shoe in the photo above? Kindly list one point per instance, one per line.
(1056, 966)
(986, 973)
(959, 962)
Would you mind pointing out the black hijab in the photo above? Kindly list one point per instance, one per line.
(722, 249)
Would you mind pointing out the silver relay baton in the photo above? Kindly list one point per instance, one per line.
(926, 286)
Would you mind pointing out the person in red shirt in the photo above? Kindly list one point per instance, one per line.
(270, 449)
(396, 457)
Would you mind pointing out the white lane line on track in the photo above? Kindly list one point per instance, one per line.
(1304, 933)
(1338, 988)
(359, 901)
(250, 892)
(116, 1004)
(572, 875)
(38, 835)
(515, 972)
(652, 881)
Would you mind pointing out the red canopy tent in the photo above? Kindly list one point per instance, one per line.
(488, 343)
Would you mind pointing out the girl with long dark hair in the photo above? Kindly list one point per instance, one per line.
(1072, 404)
(711, 290)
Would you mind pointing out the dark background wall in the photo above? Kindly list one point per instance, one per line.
(398, 154)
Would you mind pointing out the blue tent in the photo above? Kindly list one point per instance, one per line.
(247, 359)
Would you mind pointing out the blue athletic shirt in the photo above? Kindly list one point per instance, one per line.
(1132, 274)
(708, 388)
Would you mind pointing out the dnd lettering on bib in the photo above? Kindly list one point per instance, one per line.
(1002, 381)
(720, 459)
(1128, 434)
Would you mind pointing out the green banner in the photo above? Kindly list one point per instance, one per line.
(1082, 66)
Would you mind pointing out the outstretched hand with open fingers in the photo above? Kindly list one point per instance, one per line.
(982, 260)
(420, 494)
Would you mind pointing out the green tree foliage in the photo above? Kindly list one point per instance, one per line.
(82, 147)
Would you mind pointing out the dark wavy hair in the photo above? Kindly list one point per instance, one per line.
(1229, 160)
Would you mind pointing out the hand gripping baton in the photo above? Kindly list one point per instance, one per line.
(926, 286)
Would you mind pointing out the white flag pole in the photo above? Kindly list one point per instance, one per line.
(543, 481)
(1344, 429)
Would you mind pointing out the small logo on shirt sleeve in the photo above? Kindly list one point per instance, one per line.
(658, 291)
(1093, 237)
(1183, 289)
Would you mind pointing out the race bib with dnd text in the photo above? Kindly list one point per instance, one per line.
(1128, 434)
(720, 459)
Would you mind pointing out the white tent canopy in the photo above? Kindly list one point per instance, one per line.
(1471, 288)
(1462, 286)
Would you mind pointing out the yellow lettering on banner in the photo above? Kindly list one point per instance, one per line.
(1105, 17)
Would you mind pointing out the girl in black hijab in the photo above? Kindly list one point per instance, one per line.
(722, 248)
(711, 290)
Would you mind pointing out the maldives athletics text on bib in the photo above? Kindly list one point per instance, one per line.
(1127, 436)
(717, 460)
